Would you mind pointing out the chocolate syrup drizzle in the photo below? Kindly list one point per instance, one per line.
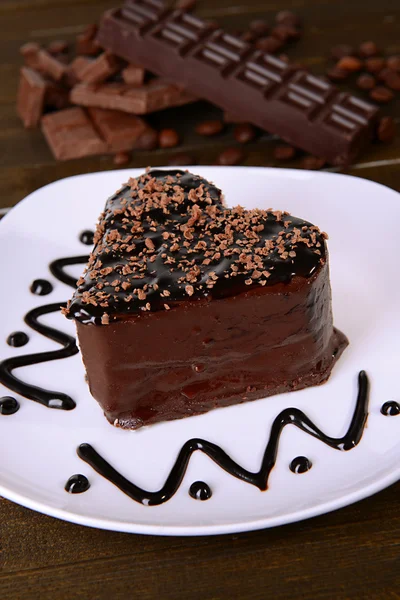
(77, 484)
(390, 409)
(289, 416)
(199, 490)
(49, 398)
(8, 405)
(300, 464)
(17, 339)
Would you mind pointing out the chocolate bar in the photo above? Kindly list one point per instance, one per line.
(306, 111)
(155, 95)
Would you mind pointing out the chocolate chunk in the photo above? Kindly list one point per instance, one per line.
(86, 43)
(133, 75)
(57, 47)
(120, 130)
(70, 134)
(76, 68)
(31, 96)
(244, 133)
(100, 69)
(284, 152)
(231, 156)
(302, 109)
(50, 65)
(30, 53)
(386, 131)
(381, 94)
(155, 95)
(168, 138)
(366, 82)
(209, 128)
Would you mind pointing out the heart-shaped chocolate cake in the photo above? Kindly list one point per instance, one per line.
(187, 305)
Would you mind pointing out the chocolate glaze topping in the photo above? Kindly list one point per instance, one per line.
(167, 236)
(41, 287)
(390, 409)
(8, 405)
(289, 416)
(200, 491)
(77, 484)
(300, 464)
(17, 339)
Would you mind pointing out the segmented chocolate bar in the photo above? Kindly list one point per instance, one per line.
(306, 111)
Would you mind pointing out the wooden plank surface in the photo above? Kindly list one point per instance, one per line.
(352, 553)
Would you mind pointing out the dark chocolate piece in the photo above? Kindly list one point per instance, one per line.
(304, 110)
(289, 416)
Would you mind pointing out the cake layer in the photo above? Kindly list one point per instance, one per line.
(201, 355)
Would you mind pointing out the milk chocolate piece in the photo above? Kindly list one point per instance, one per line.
(187, 305)
(76, 68)
(133, 75)
(70, 134)
(120, 130)
(155, 95)
(304, 110)
(100, 69)
(51, 66)
(30, 98)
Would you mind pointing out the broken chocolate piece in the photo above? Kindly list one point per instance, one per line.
(70, 134)
(120, 130)
(31, 96)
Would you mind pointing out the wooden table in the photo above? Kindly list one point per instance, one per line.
(352, 553)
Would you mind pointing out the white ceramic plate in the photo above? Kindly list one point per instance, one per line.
(38, 445)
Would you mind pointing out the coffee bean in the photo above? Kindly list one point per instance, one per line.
(284, 152)
(375, 64)
(249, 37)
(366, 82)
(244, 133)
(392, 80)
(285, 33)
(350, 63)
(287, 17)
(284, 58)
(381, 76)
(121, 158)
(148, 140)
(57, 47)
(393, 63)
(209, 128)
(367, 49)
(269, 44)
(386, 130)
(187, 5)
(381, 94)
(168, 138)
(181, 160)
(259, 27)
(338, 52)
(336, 74)
(231, 156)
(312, 163)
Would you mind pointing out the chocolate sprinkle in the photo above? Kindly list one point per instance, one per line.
(168, 235)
